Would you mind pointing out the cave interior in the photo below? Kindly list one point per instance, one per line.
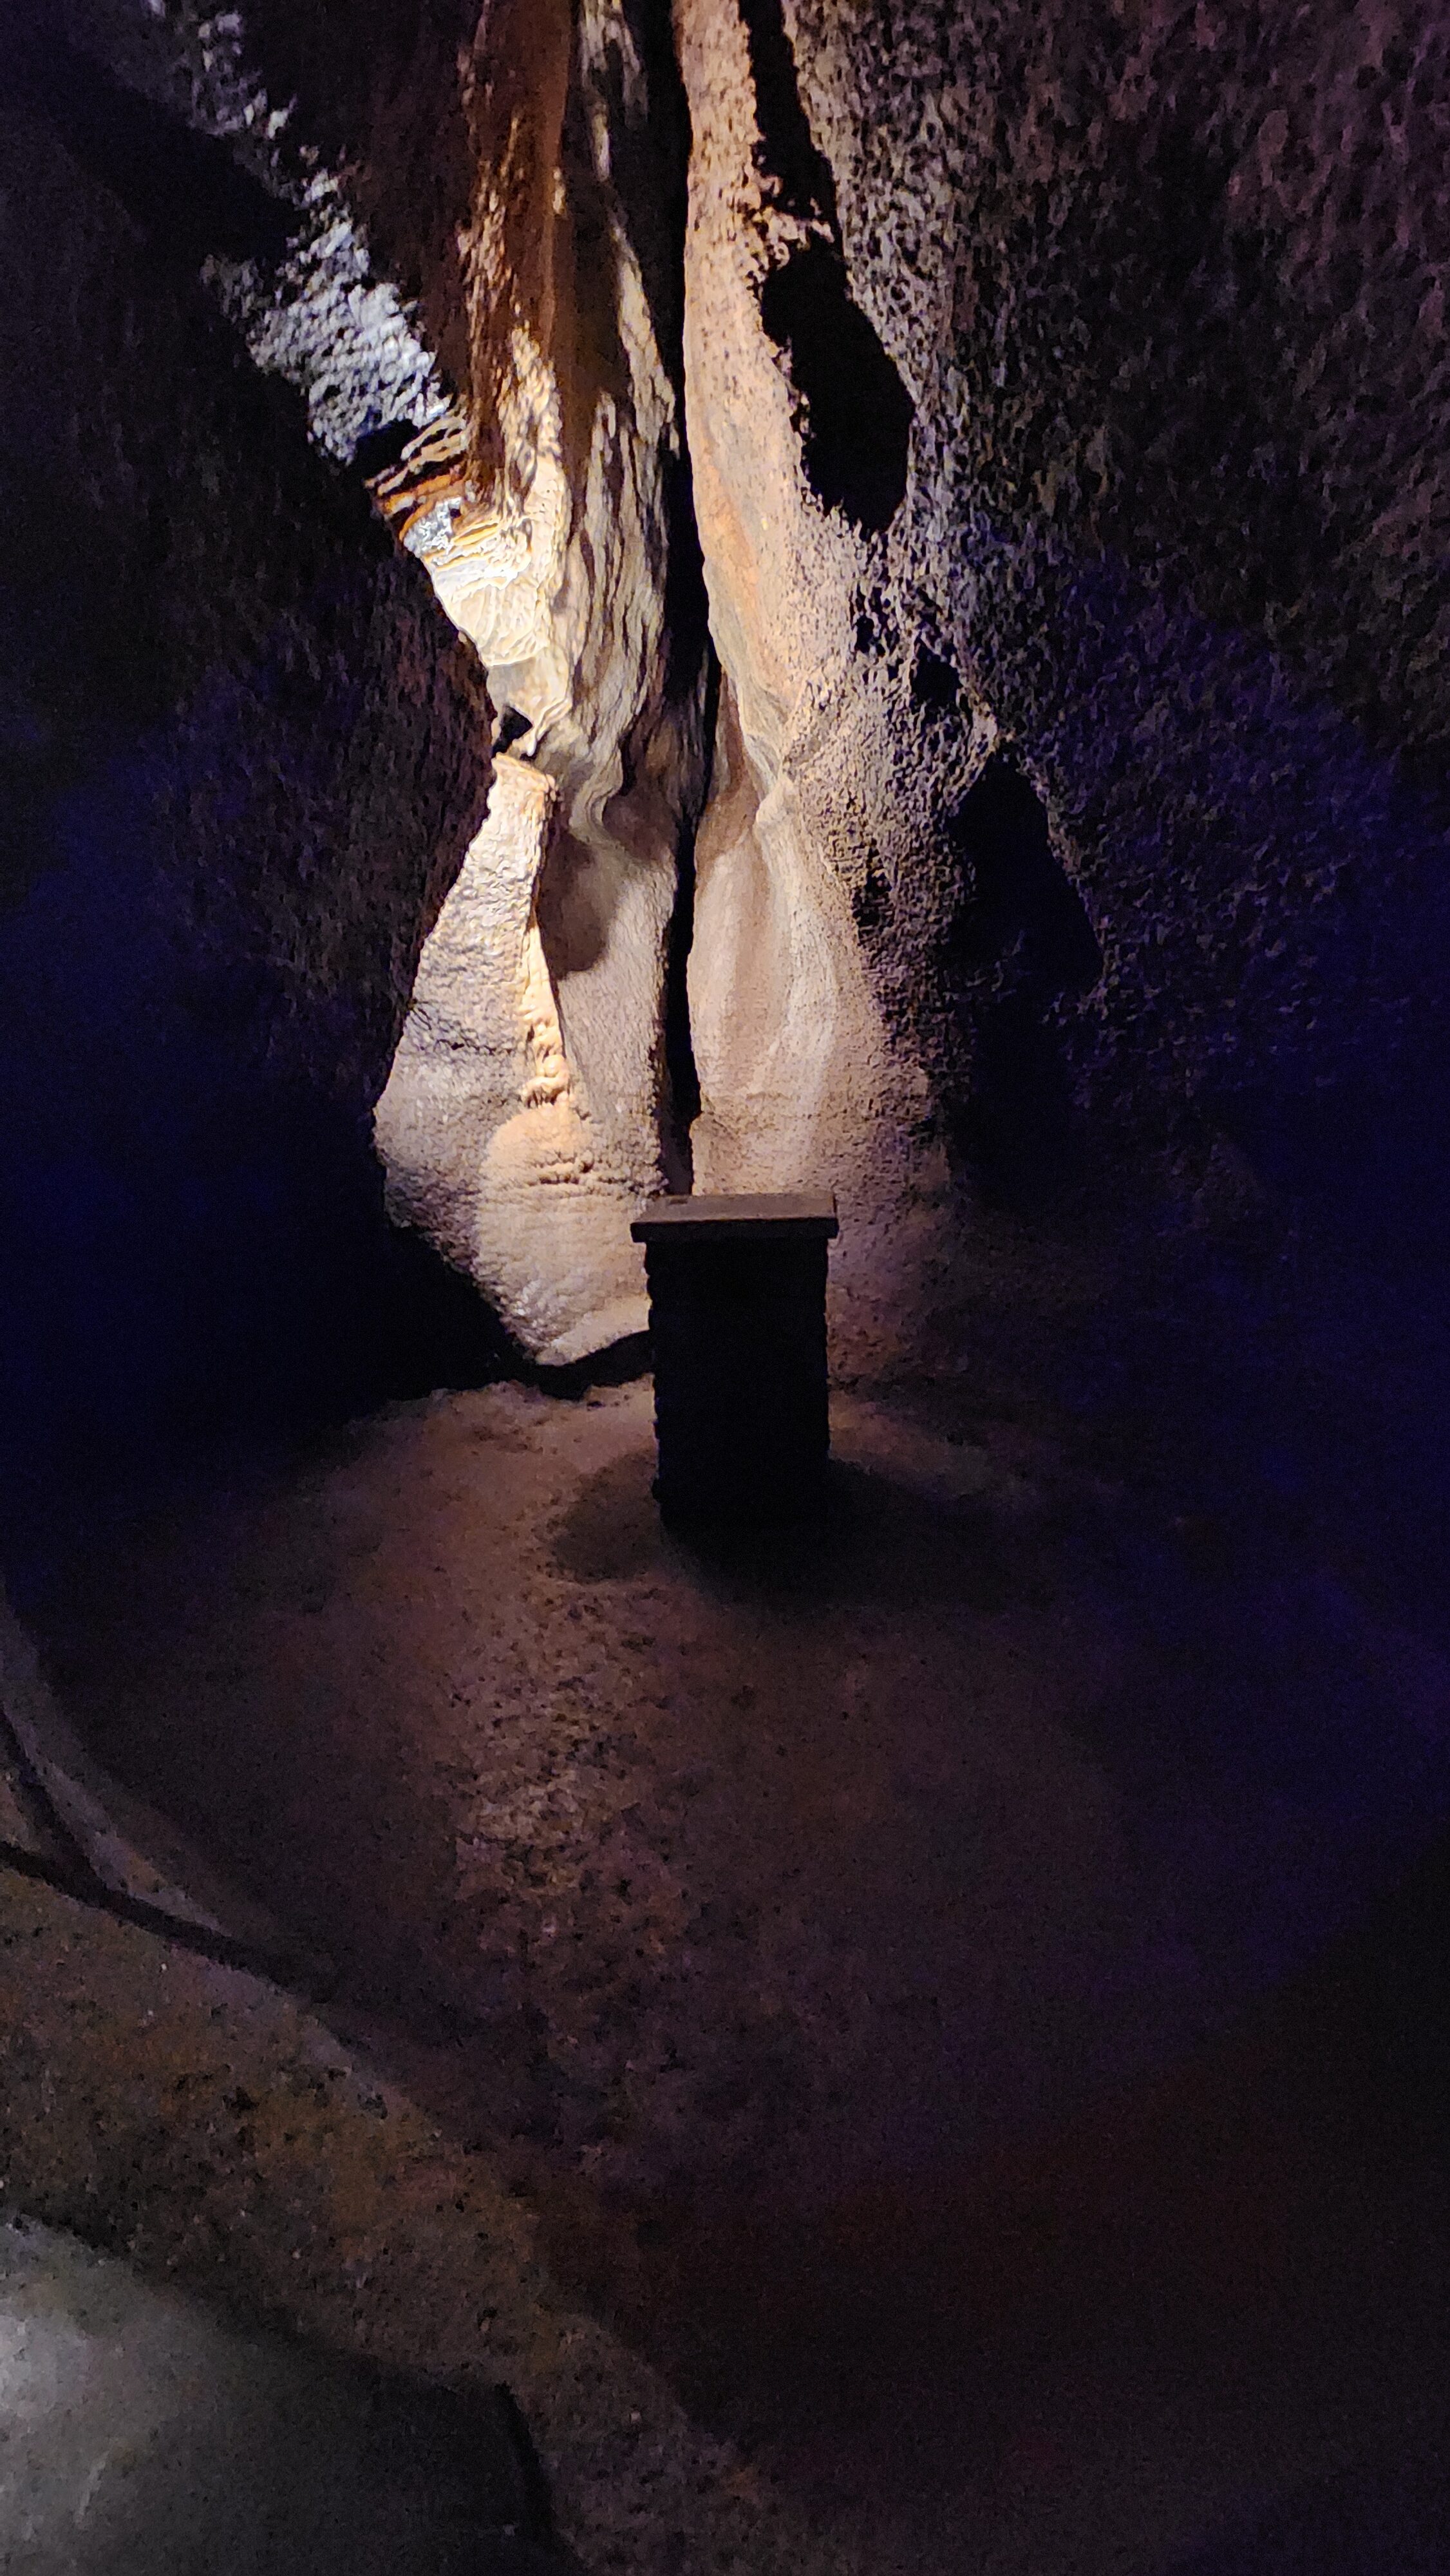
(724, 598)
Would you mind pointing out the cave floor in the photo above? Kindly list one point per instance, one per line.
(893, 1965)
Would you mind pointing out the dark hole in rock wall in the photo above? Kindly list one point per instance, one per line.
(934, 683)
(378, 450)
(1021, 943)
(691, 674)
(855, 412)
(788, 149)
(871, 905)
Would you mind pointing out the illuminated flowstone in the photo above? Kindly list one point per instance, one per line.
(562, 552)
(485, 1129)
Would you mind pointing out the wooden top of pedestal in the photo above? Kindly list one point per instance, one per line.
(798, 1216)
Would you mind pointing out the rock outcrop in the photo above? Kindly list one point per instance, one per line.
(486, 1133)
(248, 753)
(1114, 349)
(952, 515)
(802, 1079)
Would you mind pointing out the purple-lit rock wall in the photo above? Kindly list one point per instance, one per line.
(245, 755)
(1165, 288)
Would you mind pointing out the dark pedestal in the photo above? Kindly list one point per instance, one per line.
(738, 1321)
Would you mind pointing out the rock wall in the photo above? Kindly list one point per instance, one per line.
(246, 755)
(952, 513)
(1115, 515)
(554, 519)
(1061, 412)
(803, 1080)
(484, 1127)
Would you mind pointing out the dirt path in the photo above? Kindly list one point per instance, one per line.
(782, 1918)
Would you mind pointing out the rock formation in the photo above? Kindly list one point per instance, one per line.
(1061, 412)
(951, 512)
(557, 534)
(488, 1138)
(246, 752)
(801, 1079)
(1063, 409)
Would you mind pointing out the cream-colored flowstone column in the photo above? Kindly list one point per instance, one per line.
(484, 1128)
(800, 1084)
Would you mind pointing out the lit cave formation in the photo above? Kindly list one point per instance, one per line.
(612, 599)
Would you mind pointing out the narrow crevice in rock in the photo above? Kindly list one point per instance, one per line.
(681, 1102)
(545, 1079)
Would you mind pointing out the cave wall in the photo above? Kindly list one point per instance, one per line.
(1114, 348)
(245, 754)
(1046, 418)
(558, 532)
(806, 1078)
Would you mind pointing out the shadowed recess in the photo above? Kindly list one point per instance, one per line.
(184, 189)
(1020, 944)
(855, 414)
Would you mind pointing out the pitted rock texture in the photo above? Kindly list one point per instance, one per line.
(1062, 414)
(249, 753)
(1164, 289)
(802, 1082)
(1049, 421)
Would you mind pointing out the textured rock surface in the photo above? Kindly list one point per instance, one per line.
(1063, 453)
(1163, 289)
(484, 1127)
(807, 1947)
(232, 2145)
(1063, 456)
(821, 1937)
(800, 1082)
(558, 537)
(247, 755)
(1062, 414)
